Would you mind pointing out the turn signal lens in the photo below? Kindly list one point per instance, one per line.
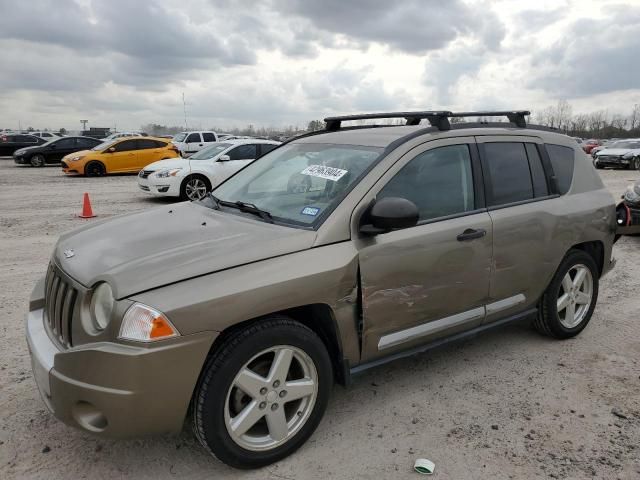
(145, 324)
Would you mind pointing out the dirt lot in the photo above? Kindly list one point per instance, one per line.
(509, 404)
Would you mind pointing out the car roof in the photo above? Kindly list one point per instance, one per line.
(240, 141)
(386, 136)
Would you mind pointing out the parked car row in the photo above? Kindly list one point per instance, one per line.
(618, 154)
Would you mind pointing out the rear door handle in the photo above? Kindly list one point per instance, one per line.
(471, 234)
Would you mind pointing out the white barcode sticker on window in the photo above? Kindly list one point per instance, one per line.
(322, 171)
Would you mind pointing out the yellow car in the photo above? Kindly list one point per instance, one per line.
(122, 155)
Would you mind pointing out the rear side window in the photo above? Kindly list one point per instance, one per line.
(208, 137)
(538, 177)
(146, 143)
(510, 177)
(243, 152)
(562, 159)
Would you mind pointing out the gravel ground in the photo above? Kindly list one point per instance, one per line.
(508, 404)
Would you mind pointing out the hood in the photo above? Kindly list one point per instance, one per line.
(23, 150)
(169, 163)
(616, 151)
(149, 249)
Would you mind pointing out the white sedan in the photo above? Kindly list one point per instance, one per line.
(192, 178)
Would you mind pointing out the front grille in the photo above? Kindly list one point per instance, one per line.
(145, 173)
(59, 304)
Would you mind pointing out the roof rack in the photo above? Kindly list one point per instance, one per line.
(436, 118)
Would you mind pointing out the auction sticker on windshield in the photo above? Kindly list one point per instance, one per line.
(322, 171)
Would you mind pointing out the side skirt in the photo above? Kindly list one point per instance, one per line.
(443, 341)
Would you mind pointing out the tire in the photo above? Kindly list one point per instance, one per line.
(636, 163)
(556, 322)
(95, 169)
(217, 395)
(194, 187)
(37, 160)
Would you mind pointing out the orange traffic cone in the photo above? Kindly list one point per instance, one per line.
(86, 207)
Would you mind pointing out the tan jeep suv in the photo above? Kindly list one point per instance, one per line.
(335, 252)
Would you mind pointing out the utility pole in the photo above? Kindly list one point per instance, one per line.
(84, 124)
(184, 108)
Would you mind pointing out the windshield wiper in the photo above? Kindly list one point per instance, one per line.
(242, 206)
(251, 208)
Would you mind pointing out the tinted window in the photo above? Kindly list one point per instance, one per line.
(243, 152)
(509, 173)
(266, 147)
(193, 137)
(538, 177)
(438, 181)
(86, 143)
(26, 139)
(145, 144)
(65, 143)
(126, 146)
(562, 159)
(208, 137)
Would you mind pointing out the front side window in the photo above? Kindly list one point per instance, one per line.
(126, 146)
(438, 181)
(209, 152)
(243, 152)
(509, 173)
(193, 138)
(562, 159)
(298, 182)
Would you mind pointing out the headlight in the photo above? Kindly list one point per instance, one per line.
(145, 324)
(76, 158)
(168, 173)
(102, 303)
(628, 155)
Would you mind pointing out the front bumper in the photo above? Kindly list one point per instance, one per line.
(612, 162)
(71, 170)
(20, 160)
(112, 389)
(165, 187)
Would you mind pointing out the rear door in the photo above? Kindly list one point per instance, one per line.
(431, 280)
(193, 142)
(149, 151)
(124, 158)
(518, 193)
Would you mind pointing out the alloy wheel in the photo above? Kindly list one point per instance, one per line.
(195, 189)
(636, 163)
(575, 296)
(37, 161)
(271, 398)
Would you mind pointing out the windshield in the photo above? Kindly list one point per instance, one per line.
(179, 137)
(297, 183)
(210, 151)
(104, 145)
(625, 144)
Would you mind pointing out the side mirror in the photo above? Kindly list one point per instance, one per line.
(111, 149)
(390, 213)
(224, 158)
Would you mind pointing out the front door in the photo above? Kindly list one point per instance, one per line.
(124, 158)
(61, 148)
(431, 280)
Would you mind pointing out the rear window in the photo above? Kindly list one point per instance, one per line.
(562, 159)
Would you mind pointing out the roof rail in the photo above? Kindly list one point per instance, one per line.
(437, 118)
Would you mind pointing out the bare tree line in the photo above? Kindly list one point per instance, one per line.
(597, 124)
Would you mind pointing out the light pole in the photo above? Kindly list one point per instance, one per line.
(84, 124)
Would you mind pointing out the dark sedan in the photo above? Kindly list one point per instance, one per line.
(53, 151)
(11, 142)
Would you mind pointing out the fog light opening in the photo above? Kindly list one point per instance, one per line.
(89, 417)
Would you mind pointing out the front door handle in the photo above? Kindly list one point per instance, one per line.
(471, 234)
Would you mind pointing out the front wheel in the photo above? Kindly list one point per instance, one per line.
(95, 169)
(636, 163)
(37, 160)
(568, 303)
(264, 392)
(194, 188)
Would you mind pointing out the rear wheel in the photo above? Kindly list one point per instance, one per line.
(194, 187)
(263, 393)
(95, 169)
(37, 160)
(568, 303)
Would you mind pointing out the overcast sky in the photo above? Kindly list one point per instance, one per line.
(285, 62)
